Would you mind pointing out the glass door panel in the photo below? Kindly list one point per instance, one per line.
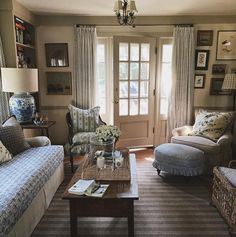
(135, 71)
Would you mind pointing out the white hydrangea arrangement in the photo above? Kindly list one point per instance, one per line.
(106, 132)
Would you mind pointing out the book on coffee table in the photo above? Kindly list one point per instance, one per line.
(89, 188)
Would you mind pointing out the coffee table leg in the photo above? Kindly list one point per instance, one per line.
(131, 219)
(73, 220)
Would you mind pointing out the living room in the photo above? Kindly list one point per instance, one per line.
(149, 40)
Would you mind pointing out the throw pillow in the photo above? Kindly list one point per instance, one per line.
(84, 120)
(12, 136)
(5, 155)
(212, 125)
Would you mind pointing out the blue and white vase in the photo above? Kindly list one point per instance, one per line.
(22, 106)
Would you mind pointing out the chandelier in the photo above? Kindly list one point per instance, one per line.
(125, 10)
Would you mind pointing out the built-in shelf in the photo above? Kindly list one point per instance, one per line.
(25, 45)
(25, 48)
(25, 38)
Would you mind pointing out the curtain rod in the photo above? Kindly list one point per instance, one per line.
(190, 25)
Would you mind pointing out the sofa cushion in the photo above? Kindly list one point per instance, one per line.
(12, 136)
(212, 125)
(22, 178)
(5, 155)
(84, 120)
(204, 144)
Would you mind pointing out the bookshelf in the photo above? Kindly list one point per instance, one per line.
(25, 48)
(25, 43)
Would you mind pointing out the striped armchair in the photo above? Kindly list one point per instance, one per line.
(82, 125)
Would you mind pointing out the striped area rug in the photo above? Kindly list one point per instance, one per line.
(170, 206)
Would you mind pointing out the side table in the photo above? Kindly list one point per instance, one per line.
(44, 128)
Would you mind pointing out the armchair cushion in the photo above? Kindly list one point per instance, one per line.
(83, 137)
(212, 125)
(204, 144)
(84, 120)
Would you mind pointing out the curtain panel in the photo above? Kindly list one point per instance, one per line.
(85, 66)
(182, 91)
(4, 97)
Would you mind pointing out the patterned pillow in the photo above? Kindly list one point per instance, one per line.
(212, 125)
(12, 136)
(84, 120)
(5, 155)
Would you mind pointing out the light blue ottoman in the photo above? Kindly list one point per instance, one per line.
(179, 159)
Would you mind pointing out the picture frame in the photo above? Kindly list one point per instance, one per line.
(199, 81)
(201, 59)
(219, 69)
(204, 37)
(56, 55)
(216, 85)
(226, 45)
(233, 70)
(59, 83)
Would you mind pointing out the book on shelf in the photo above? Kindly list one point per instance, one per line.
(89, 188)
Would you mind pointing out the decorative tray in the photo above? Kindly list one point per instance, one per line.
(90, 170)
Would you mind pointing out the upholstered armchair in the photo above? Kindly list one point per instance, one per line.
(82, 125)
(217, 149)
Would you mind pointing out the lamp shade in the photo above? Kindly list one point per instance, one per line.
(229, 82)
(132, 6)
(117, 6)
(19, 80)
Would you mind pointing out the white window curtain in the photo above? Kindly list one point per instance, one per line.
(85, 61)
(181, 96)
(4, 97)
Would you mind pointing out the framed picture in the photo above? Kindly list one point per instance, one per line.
(57, 55)
(219, 68)
(233, 70)
(59, 83)
(226, 45)
(215, 88)
(199, 81)
(204, 37)
(201, 59)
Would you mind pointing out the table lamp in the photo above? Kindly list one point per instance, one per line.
(230, 84)
(21, 81)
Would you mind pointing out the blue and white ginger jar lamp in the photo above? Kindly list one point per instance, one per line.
(21, 81)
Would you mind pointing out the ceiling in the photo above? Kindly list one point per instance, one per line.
(145, 7)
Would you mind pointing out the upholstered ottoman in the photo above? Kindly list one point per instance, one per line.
(179, 160)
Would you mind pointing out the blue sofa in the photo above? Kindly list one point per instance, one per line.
(28, 183)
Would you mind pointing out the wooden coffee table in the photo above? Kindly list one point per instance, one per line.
(118, 201)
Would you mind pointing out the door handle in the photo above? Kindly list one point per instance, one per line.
(115, 102)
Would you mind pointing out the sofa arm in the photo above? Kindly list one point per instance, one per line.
(38, 141)
(182, 131)
(227, 138)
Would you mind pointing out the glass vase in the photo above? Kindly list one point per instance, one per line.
(100, 148)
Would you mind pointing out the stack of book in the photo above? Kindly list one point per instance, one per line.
(20, 28)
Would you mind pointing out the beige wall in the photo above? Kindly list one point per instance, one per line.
(202, 97)
(54, 105)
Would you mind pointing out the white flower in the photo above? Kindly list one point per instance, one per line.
(106, 132)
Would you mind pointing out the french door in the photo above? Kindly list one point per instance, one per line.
(134, 81)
